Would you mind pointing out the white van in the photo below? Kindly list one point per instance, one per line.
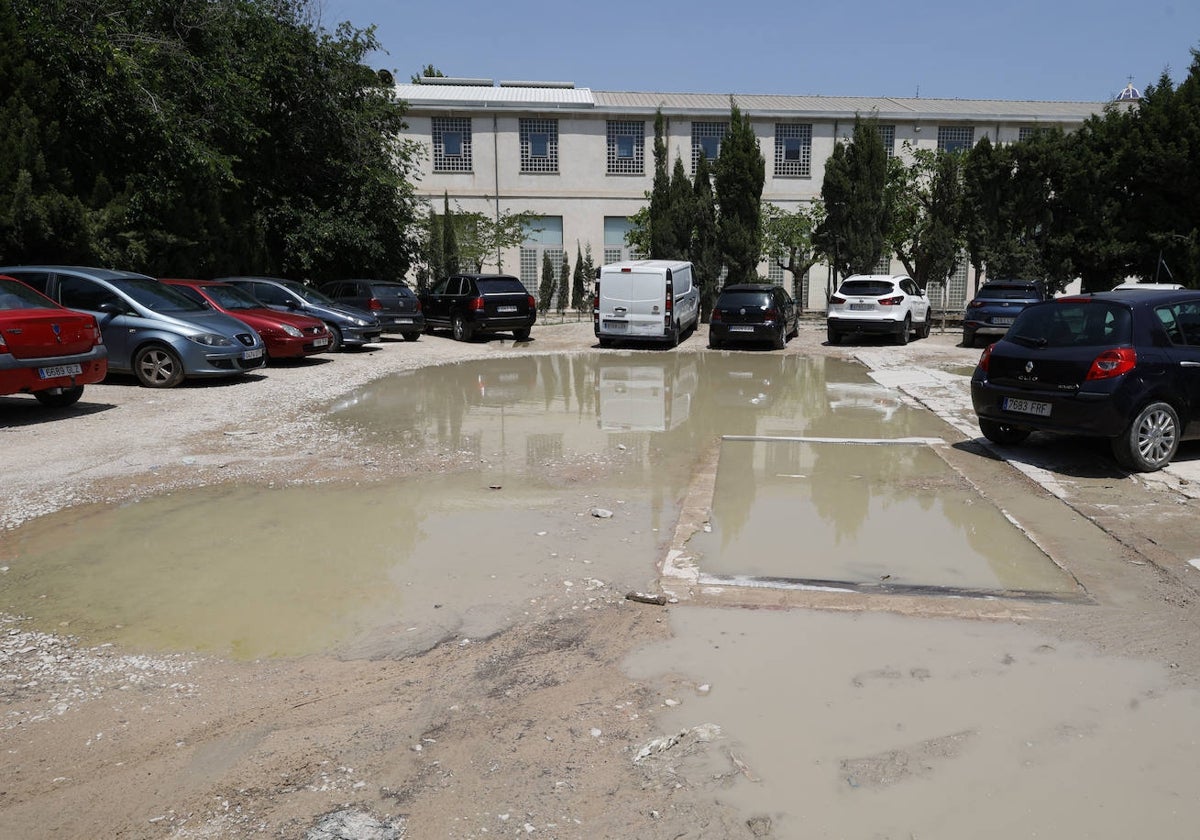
(645, 300)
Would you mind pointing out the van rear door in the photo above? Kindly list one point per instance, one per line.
(633, 302)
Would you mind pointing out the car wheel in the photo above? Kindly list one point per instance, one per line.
(460, 328)
(521, 334)
(905, 329)
(1002, 433)
(1150, 441)
(157, 367)
(335, 338)
(781, 339)
(713, 343)
(411, 336)
(926, 325)
(968, 338)
(673, 338)
(604, 342)
(59, 398)
(832, 335)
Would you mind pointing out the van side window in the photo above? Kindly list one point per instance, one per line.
(683, 282)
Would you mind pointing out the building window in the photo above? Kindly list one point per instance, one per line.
(539, 145)
(543, 235)
(1028, 132)
(451, 145)
(774, 272)
(887, 133)
(626, 148)
(615, 247)
(956, 287)
(706, 140)
(884, 266)
(793, 150)
(955, 138)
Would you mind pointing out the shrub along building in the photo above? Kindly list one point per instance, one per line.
(582, 160)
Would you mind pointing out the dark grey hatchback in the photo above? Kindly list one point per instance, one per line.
(1119, 365)
(753, 312)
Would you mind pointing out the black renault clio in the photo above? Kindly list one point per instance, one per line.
(1124, 365)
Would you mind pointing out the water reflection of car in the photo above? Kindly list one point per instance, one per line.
(285, 334)
(471, 304)
(881, 401)
(502, 382)
(151, 329)
(348, 327)
(635, 394)
(1118, 365)
(996, 305)
(46, 349)
(753, 312)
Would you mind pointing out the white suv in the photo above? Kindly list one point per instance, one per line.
(879, 304)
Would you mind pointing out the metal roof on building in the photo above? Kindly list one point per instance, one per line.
(514, 96)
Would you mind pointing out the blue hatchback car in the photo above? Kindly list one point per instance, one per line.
(1122, 365)
(151, 330)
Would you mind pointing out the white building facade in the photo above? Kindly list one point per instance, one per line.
(583, 162)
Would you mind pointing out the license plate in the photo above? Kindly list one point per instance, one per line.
(59, 370)
(1041, 409)
(862, 307)
(1003, 322)
(506, 309)
(253, 354)
(404, 320)
(616, 326)
(320, 342)
(741, 329)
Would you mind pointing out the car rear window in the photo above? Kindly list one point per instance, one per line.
(1007, 292)
(867, 288)
(1073, 323)
(13, 295)
(392, 292)
(497, 285)
(735, 299)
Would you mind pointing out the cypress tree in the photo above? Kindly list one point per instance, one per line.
(546, 289)
(705, 252)
(740, 175)
(683, 212)
(662, 229)
(564, 284)
(449, 240)
(577, 281)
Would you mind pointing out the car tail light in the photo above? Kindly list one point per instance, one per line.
(975, 304)
(1112, 363)
(418, 306)
(475, 304)
(374, 305)
(3, 346)
(716, 316)
(596, 296)
(529, 299)
(985, 357)
(770, 315)
(837, 299)
(892, 301)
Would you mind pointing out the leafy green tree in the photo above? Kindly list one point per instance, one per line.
(705, 252)
(660, 223)
(856, 219)
(564, 285)
(740, 175)
(925, 198)
(546, 288)
(789, 241)
(682, 213)
(578, 284)
(427, 72)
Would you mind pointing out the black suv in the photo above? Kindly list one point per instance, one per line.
(1119, 365)
(996, 304)
(753, 312)
(394, 304)
(469, 304)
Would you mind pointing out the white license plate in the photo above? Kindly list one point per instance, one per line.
(404, 320)
(1003, 322)
(616, 326)
(1041, 409)
(253, 354)
(741, 329)
(506, 309)
(862, 307)
(320, 342)
(59, 370)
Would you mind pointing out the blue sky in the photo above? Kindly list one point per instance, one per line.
(1079, 50)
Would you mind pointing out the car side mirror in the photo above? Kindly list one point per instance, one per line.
(112, 308)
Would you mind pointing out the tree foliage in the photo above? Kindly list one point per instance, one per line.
(789, 240)
(199, 137)
(705, 251)
(659, 220)
(740, 175)
(924, 199)
(856, 212)
(547, 286)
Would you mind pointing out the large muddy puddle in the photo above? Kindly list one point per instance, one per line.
(537, 442)
(873, 725)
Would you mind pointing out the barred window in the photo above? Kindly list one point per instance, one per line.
(451, 144)
(626, 148)
(530, 264)
(884, 266)
(955, 138)
(615, 247)
(1028, 132)
(793, 150)
(612, 255)
(539, 145)
(956, 287)
(887, 133)
(706, 140)
(774, 272)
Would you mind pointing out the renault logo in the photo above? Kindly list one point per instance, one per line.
(57, 332)
(1029, 367)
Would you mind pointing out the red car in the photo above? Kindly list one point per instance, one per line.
(45, 349)
(287, 335)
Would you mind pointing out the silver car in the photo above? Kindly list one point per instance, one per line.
(150, 329)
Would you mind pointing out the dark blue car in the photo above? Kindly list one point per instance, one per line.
(1123, 365)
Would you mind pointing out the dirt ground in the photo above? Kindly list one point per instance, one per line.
(532, 729)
